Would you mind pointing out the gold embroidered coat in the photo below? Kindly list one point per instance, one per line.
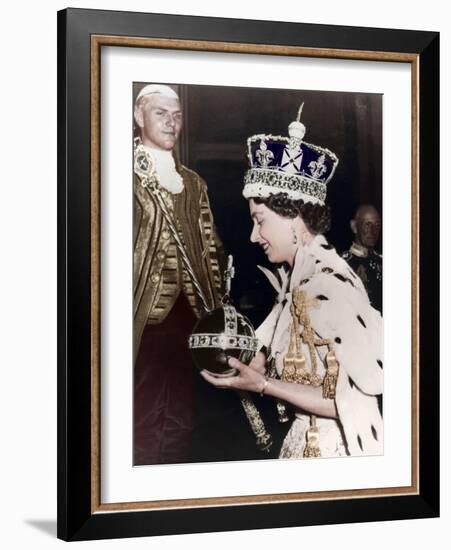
(158, 272)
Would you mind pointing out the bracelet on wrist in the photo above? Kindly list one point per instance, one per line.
(265, 385)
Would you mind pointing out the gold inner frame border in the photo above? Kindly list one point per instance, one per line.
(97, 41)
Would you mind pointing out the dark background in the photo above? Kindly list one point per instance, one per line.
(217, 122)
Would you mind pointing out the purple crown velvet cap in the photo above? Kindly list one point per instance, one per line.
(279, 164)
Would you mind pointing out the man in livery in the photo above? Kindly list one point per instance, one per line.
(176, 276)
(362, 257)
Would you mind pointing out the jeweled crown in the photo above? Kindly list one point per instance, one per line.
(279, 164)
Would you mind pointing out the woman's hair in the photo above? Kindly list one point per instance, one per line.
(315, 216)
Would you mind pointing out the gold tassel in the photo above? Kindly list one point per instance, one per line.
(289, 370)
(311, 449)
(294, 363)
(330, 380)
(294, 366)
(294, 369)
(302, 376)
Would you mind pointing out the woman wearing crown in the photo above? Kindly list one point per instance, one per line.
(323, 338)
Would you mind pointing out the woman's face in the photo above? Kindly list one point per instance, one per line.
(274, 233)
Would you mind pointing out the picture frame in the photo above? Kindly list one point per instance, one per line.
(81, 36)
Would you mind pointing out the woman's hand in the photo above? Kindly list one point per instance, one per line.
(249, 378)
(252, 378)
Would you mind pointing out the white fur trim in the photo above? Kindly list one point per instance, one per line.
(345, 315)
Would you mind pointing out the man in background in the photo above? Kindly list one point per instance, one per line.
(362, 256)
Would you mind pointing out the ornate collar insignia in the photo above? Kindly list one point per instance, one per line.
(359, 250)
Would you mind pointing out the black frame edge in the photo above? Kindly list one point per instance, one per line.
(193, 27)
(74, 273)
(430, 273)
(61, 279)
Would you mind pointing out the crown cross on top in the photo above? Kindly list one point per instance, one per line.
(292, 160)
(229, 274)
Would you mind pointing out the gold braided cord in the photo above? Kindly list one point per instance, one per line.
(181, 248)
(295, 370)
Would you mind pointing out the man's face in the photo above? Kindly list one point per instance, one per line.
(367, 227)
(160, 120)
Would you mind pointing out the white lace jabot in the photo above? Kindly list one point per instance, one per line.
(170, 179)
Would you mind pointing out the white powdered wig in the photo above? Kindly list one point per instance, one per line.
(157, 89)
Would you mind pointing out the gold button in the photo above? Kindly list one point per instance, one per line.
(155, 278)
(161, 255)
(165, 234)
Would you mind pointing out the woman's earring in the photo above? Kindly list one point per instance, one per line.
(295, 238)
